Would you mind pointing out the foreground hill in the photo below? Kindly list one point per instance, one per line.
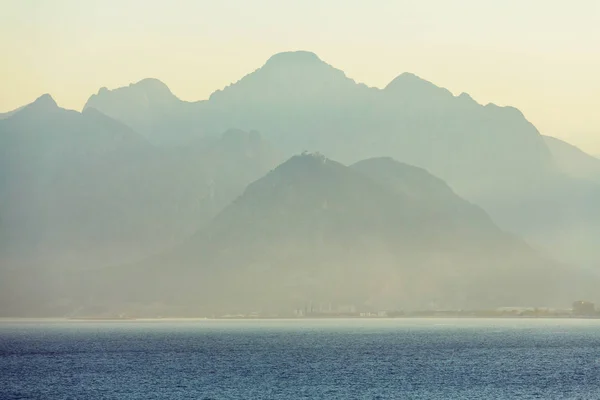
(380, 234)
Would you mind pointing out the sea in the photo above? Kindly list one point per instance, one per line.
(301, 359)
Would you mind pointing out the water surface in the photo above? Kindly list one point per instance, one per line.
(301, 359)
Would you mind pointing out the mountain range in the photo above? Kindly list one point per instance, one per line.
(150, 108)
(84, 190)
(574, 161)
(143, 193)
(490, 155)
(377, 234)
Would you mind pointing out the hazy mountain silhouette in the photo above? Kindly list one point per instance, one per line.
(379, 234)
(151, 109)
(427, 190)
(301, 103)
(139, 170)
(81, 190)
(490, 155)
(68, 213)
(38, 144)
(10, 113)
(573, 161)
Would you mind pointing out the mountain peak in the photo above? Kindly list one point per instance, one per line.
(149, 88)
(293, 58)
(43, 105)
(138, 106)
(408, 77)
(288, 76)
(466, 97)
(46, 101)
(306, 158)
(306, 166)
(152, 85)
(415, 86)
(301, 63)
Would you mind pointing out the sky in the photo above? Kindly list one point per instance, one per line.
(541, 56)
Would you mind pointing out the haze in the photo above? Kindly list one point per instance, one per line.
(539, 56)
(216, 160)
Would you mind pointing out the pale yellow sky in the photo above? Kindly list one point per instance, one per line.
(542, 56)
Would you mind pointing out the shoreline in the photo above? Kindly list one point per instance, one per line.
(286, 319)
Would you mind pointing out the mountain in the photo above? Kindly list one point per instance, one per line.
(377, 235)
(9, 113)
(301, 103)
(427, 190)
(491, 155)
(149, 107)
(298, 102)
(38, 144)
(139, 170)
(82, 190)
(568, 210)
(574, 161)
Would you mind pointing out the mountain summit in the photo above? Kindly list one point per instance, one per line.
(293, 59)
(153, 90)
(148, 107)
(41, 106)
(415, 88)
(44, 100)
(298, 79)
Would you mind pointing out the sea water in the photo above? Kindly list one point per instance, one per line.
(301, 359)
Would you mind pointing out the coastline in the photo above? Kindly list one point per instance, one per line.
(283, 319)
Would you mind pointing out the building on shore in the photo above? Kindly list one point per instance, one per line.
(581, 307)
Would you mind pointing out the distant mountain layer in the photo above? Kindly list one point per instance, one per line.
(8, 114)
(151, 109)
(573, 161)
(379, 234)
(301, 103)
(82, 190)
(139, 171)
(490, 155)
